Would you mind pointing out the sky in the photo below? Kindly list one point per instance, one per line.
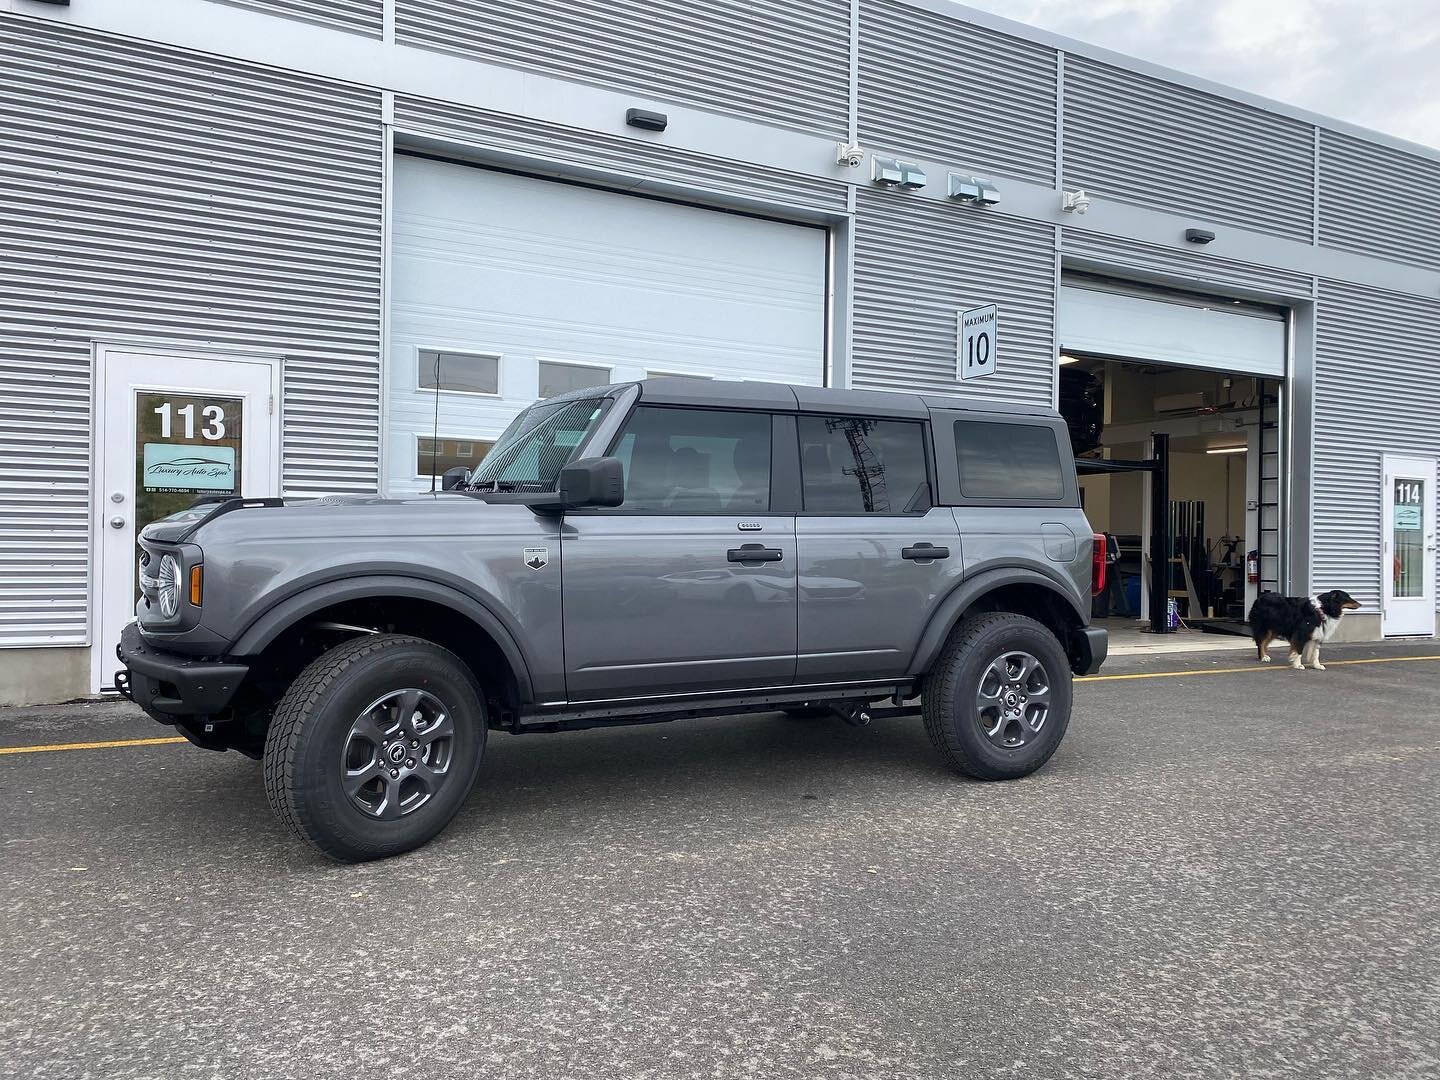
(1375, 64)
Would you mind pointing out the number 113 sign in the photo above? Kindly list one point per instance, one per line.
(977, 342)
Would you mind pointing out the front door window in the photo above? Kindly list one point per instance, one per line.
(1408, 538)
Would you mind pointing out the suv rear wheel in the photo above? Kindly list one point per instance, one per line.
(375, 747)
(997, 702)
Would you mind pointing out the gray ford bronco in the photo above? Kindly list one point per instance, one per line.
(629, 554)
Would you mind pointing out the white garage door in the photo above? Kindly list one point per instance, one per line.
(515, 284)
(1220, 336)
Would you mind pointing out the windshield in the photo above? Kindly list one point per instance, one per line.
(537, 445)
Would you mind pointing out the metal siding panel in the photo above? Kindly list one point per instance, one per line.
(784, 62)
(163, 196)
(917, 264)
(356, 16)
(1376, 392)
(917, 66)
(1140, 140)
(1197, 268)
(590, 149)
(1379, 201)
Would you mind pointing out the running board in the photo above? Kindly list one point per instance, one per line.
(615, 714)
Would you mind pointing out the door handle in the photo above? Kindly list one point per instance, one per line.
(925, 552)
(756, 553)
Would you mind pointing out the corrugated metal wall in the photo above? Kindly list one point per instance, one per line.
(919, 262)
(934, 86)
(162, 196)
(1156, 144)
(1196, 268)
(778, 61)
(356, 16)
(592, 149)
(1378, 201)
(1375, 393)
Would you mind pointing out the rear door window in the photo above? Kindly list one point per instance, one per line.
(858, 465)
(1013, 462)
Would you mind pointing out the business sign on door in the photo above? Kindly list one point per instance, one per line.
(978, 328)
(186, 445)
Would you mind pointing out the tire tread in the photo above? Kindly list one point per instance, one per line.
(295, 708)
(940, 689)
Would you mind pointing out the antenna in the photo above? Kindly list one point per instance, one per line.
(435, 431)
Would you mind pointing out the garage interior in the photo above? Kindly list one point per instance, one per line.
(1206, 431)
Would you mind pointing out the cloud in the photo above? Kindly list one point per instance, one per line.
(1373, 64)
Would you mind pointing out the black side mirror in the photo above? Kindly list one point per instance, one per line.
(592, 482)
(454, 478)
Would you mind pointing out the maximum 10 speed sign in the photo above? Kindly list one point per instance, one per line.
(977, 342)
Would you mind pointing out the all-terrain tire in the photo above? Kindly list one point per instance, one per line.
(953, 718)
(310, 736)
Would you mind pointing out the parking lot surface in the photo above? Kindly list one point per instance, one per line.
(1221, 873)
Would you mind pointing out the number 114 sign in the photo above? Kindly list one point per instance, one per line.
(977, 342)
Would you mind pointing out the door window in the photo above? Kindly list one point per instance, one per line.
(1408, 538)
(695, 461)
(186, 446)
(858, 465)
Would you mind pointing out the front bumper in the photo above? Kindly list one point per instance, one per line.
(178, 686)
(1090, 645)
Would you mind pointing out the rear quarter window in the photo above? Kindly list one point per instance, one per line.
(1013, 462)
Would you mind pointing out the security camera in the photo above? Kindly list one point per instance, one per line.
(849, 153)
(1075, 202)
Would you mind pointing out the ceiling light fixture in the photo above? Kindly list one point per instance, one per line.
(1228, 450)
(1064, 359)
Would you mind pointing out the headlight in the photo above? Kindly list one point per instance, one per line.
(168, 587)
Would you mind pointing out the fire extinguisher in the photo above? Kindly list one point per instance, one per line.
(1252, 567)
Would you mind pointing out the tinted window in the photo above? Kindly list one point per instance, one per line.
(470, 373)
(696, 461)
(557, 378)
(855, 465)
(1008, 461)
(447, 453)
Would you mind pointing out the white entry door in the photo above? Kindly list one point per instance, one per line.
(169, 428)
(1408, 546)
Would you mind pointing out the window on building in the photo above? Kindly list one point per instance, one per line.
(462, 372)
(557, 378)
(696, 461)
(1008, 461)
(859, 465)
(442, 454)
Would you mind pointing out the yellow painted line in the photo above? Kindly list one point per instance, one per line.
(110, 745)
(1277, 665)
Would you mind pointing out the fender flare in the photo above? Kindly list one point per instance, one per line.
(280, 617)
(952, 609)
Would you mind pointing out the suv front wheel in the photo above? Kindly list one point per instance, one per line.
(997, 702)
(375, 747)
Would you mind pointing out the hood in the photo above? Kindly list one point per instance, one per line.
(261, 517)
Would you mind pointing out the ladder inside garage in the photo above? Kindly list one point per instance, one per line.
(1267, 507)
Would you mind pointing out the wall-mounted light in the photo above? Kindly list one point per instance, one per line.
(1228, 450)
(648, 121)
(1199, 236)
(1074, 202)
(973, 189)
(897, 174)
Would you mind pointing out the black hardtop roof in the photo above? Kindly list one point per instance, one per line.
(745, 394)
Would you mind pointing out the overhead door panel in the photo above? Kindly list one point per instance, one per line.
(1131, 327)
(539, 272)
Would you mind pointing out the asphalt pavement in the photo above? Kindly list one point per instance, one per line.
(1223, 873)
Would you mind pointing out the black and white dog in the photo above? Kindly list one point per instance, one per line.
(1305, 622)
